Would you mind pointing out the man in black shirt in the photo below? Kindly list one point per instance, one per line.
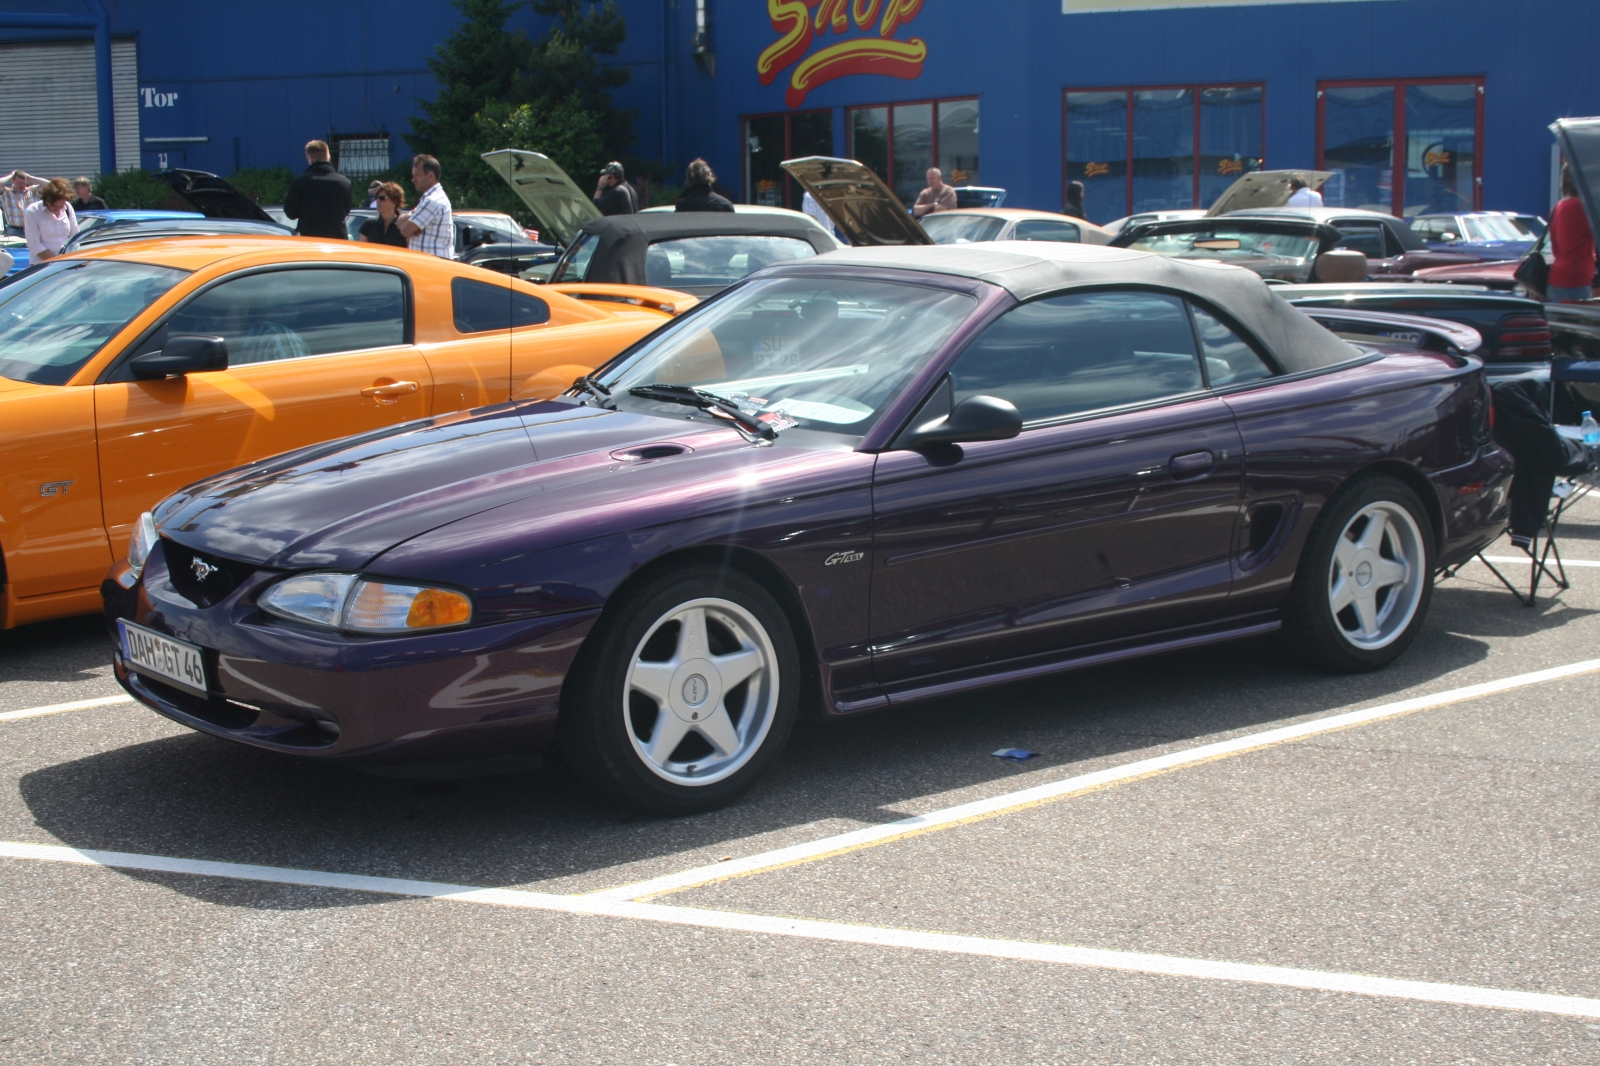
(614, 196)
(320, 197)
(85, 200)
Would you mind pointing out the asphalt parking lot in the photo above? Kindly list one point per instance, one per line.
(1216, 857)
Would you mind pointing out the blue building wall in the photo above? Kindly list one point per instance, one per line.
(259, 80)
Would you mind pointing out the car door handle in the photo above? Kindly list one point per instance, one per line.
(1191, 463)
(389, 391)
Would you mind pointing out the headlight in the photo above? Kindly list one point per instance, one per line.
(347, 601)
(141, 543)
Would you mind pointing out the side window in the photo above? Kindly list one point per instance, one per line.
(1081, 352)
(576, 266)
(1229, 359)
(1363, 237)
(289, 314)
(1044, 230)
(479, 307)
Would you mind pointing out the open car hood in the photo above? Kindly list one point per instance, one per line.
(211, 196)
(1264, 188)
(1580, 143)
(860, 204)
(555, 200)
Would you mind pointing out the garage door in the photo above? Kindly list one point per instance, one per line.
(49, 118)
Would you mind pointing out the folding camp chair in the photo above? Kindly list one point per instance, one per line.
(1554, 471)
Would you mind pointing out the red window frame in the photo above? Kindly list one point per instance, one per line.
(1128, 91)
(890, 105)
(1397, 160)
(790, 198)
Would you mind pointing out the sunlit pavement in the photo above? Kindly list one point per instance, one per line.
(1417, 885)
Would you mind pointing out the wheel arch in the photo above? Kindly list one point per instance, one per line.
(1417, 482)
(765, 573)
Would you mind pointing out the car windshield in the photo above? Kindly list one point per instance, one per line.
(719, 261)
(818, 353)
(1527, 225)
(1283, 256)
(54, 319)
(1490, 228)
(962, 229)
(576, 263)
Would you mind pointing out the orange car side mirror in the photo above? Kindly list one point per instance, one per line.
(182, 355)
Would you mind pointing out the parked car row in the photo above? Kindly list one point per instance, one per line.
(382, 508)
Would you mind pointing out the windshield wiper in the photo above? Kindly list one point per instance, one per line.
(711, 404)
(595, 389)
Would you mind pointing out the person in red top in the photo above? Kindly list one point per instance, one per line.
(1572, 273)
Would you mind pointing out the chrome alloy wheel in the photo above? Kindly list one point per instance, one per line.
(1376, 580)
(701, 692)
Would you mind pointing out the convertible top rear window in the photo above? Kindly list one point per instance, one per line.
(55, 318)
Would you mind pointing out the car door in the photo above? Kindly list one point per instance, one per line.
(1111, 514)
(315, 353)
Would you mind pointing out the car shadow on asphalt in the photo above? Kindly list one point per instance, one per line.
(194, 796)
(64, 649)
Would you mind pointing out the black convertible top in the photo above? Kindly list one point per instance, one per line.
(619, 259)
(1027, 269)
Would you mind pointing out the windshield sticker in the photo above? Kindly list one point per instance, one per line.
(777, 420)
(818, 411)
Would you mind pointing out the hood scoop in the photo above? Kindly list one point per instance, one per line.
(645, 453)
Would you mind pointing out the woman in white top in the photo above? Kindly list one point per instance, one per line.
(49, 222)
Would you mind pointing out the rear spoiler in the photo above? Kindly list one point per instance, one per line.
(1381, 327)
(666, 301)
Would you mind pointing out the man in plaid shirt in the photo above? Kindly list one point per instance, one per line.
(429, 227)
(21, 189)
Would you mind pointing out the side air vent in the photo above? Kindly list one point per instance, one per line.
(644, 453)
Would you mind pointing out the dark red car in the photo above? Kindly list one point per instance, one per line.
(850, 482)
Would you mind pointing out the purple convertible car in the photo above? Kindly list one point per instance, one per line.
(850, 482)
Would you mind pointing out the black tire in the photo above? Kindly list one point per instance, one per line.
(1340, 639)
(607, 723)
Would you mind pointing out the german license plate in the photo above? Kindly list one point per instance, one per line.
(171, 660)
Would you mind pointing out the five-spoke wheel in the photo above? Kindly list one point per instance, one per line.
(1365, 579)
(683, 693)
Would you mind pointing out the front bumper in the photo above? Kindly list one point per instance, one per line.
(475, 693)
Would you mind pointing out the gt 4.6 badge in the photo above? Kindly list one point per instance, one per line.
(843, 557)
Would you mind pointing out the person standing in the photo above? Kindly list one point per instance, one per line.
(699, 193)
(810, 206)
(84, 198)
(936, 197)
(1074, 204)
(21, 189)
(1302, 194)
(49, 222)
(1572, 242)
(385, 229)
(319, 199)
(613, 195)
(430, 226)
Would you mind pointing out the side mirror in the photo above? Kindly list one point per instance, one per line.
(976, 418)
(182, 355)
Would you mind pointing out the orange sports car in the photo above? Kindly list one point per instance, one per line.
(128, 372)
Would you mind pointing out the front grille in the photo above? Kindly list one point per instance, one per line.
(185, 568)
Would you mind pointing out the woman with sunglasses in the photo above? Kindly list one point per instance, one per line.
(385, 229)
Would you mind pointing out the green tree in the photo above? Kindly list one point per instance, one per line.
(499, 89)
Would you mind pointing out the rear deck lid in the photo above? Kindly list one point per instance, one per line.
(866, 211)
(555, 200)
(1263, 188)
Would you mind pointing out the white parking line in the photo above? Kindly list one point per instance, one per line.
(1526, 560)
(57, 708)
(839, 932)
(1008, 802)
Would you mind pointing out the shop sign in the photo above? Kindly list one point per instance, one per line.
(805, 23)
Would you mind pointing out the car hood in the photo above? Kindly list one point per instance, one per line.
(555, 200)
(210, 195)
(866, 211)
(340, 505)
(1263, 188)
(1580, 143)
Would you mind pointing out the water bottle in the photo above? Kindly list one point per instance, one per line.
(1591, 430)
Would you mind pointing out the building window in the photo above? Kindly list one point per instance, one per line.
(360, 155)
(769, 140)
(1160, 149)
(1429, 130)
(901, 141)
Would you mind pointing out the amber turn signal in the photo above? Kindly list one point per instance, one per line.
(438, 607)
